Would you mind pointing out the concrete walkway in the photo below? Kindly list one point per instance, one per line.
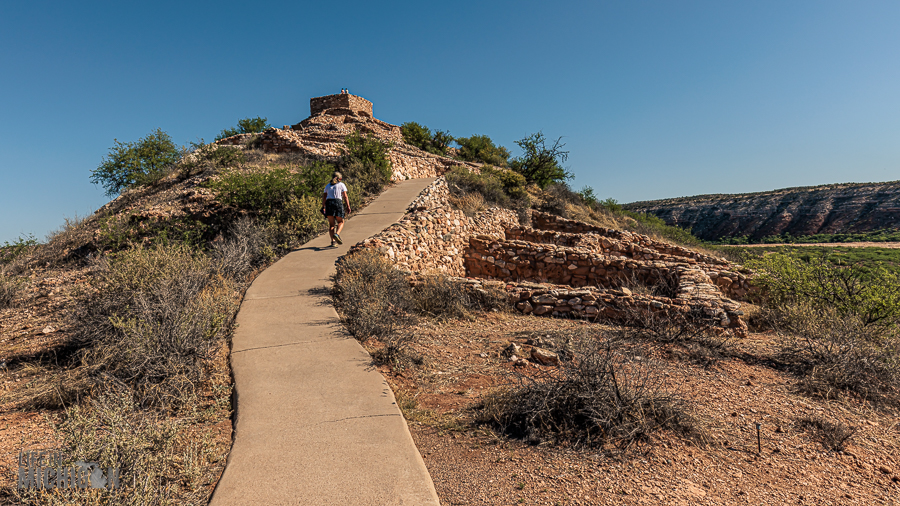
(316, 424)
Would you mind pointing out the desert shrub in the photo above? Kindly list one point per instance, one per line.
(513, 182)
(838, 325)
(371, 155)
(136, 163)
(557, 199)
(288, 203)
(463, 181)
(158, 462)
(541, 163)
(203, 157)
(20, 246)
(421, 137)
(836, 354)
(480, 148)
(469, 203)
(263, 192)
(10, 287)
(246, 126)
(244, 248)
(373, 297)
(159, 316)
(834, 436)
(438, 296)
(870, 294)
(601, 397)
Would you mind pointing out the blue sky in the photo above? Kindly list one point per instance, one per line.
(654, 99)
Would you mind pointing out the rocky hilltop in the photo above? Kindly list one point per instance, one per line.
(827, 209)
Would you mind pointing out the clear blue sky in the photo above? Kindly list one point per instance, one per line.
(654, 99)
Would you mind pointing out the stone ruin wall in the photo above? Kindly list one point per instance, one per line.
(648, 255)
(584, 276)
(525, 265)
(432, 235)
(332, 119)
(359, 105)
(544, 221)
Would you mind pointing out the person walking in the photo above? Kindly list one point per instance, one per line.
(333, 205)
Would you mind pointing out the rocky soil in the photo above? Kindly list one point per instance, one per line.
(470, 464)
(828, 209)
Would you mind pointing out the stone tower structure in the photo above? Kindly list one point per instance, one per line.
(342, 103)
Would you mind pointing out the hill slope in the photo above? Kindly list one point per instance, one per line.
(827, 209)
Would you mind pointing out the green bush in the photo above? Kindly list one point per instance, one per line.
(541, 163)
(136, 163)
(481, 149)
(870, 294)
(246, 126)
(13, 250)
(513, 182)
(371, 154)
(838, 325)
(462, 181)
(288, 203)
(421, 137)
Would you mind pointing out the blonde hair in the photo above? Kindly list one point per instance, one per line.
(336, 177)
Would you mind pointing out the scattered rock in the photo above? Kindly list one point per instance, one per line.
(544, 357)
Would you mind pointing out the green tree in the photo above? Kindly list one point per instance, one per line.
(480, 148)
(421, 137)
(589, 197)
(541, 163)
(136, 163)
(246, 126)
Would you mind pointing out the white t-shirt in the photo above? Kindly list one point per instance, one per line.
(335, 191)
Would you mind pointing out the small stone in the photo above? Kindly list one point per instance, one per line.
(626, 291)
(544, 357)
(513, 349)
(48, 330)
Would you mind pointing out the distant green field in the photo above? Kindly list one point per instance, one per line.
(867, 258)
(884, 235)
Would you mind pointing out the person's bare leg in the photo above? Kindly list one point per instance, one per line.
(340, 225)
(331, 228)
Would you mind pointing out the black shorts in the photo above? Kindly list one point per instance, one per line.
(334, 207)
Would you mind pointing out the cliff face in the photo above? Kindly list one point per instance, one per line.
(831, 209)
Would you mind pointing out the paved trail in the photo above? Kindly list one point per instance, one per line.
(315, 423)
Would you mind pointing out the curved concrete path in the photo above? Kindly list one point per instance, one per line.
(316, 424)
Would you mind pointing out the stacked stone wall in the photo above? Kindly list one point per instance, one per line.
(625, 306)
(730, 282)
(549, 222)
(359, 105)
(432, 235)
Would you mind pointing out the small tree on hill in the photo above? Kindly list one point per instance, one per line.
(541, 163)
(421, 137)
(480, 148)
(246, 126)
(136, 163)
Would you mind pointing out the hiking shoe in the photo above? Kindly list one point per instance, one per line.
(338, 239)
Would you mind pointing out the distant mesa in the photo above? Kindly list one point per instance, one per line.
(827, 209)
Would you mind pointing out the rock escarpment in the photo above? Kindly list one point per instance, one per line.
(563, 268)
(829, 209)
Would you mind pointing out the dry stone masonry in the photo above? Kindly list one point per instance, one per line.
(432, 235)
(572, 270)
(334, 117)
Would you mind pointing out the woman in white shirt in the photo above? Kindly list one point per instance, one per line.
(333, 203)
